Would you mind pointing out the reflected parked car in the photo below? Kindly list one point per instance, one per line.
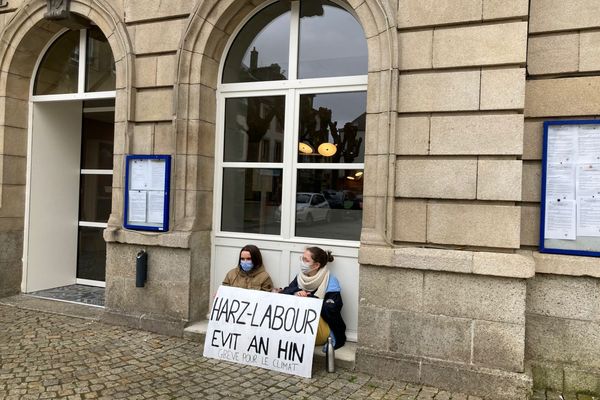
(344, 203)
(310, 207)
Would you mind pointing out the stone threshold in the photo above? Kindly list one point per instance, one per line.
(344, 357)
(54, 306)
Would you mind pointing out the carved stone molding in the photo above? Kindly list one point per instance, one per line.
(57, 9)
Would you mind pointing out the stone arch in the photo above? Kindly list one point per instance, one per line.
(207, 33)
(22, 41)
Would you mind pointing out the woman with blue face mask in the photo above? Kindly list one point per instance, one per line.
(315, 280)
(250, 273)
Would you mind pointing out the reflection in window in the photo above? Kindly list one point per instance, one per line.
(95, 198)
(254, 129)
(97, 140)
(329, 203)
(100, 64)
(332, 42)
(251, 200)
(60, 66)
(260, 51)
(332, 127)
(91, 254)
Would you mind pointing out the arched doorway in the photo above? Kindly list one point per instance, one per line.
(291, 109)
(70, 161)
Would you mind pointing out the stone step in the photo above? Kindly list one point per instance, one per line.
(344, 356)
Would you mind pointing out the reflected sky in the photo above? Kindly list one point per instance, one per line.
(331, 43)
(345, 107)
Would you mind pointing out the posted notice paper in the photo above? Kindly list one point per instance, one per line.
(559, 182)
(156, 206)
(137, 206)
(562, 144)
(588, 216)
(267, 330)
(560, 220)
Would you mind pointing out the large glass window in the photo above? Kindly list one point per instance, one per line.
(77, 62)
(293, 152)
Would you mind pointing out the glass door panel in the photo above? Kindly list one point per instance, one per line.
(254, 129)
(251, 200)
(91, 254)
(95, 195)
(332, 127)
(95, 192)
(329, 203)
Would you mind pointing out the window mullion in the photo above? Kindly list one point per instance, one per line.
(219, 155)
(82, 60)
(289, 165)
(294, 40)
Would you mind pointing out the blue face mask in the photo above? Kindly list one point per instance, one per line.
(246, 265)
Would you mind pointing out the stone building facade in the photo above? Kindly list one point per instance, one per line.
(450, 287)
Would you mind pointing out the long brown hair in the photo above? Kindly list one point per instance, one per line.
(254, 254)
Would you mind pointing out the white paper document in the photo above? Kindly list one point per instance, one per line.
(588, 180)
(588, 144)
(562, 144)
(157, 175)
(588, 216)
(559, 182)
(137, 206)
(139, 177)
(156, 205)
(560, 220)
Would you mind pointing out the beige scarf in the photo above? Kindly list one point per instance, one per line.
(318, 282)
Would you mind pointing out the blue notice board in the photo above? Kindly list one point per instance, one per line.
(570, 206)
(147, 182)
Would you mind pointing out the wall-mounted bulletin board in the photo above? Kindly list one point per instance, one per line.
(147, 182)
(570, 207)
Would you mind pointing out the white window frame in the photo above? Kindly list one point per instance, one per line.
(291, 88)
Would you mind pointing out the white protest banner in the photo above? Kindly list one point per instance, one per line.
(263, 329)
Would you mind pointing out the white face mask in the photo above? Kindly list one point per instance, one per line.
(304, 267)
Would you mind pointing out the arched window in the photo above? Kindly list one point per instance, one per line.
(292, 108)
(76, 62)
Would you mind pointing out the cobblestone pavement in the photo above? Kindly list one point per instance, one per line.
(44, 355)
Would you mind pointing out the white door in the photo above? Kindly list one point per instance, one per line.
(51, 255)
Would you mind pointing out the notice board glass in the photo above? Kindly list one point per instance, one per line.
(147, 180)
(570, 207)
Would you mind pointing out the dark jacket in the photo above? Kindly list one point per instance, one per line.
(331, 310)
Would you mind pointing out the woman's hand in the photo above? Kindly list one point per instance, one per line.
(302, 293)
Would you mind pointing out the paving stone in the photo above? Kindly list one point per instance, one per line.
(50, 356)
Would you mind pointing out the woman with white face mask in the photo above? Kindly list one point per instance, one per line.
(315, 280)
(250, 273)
